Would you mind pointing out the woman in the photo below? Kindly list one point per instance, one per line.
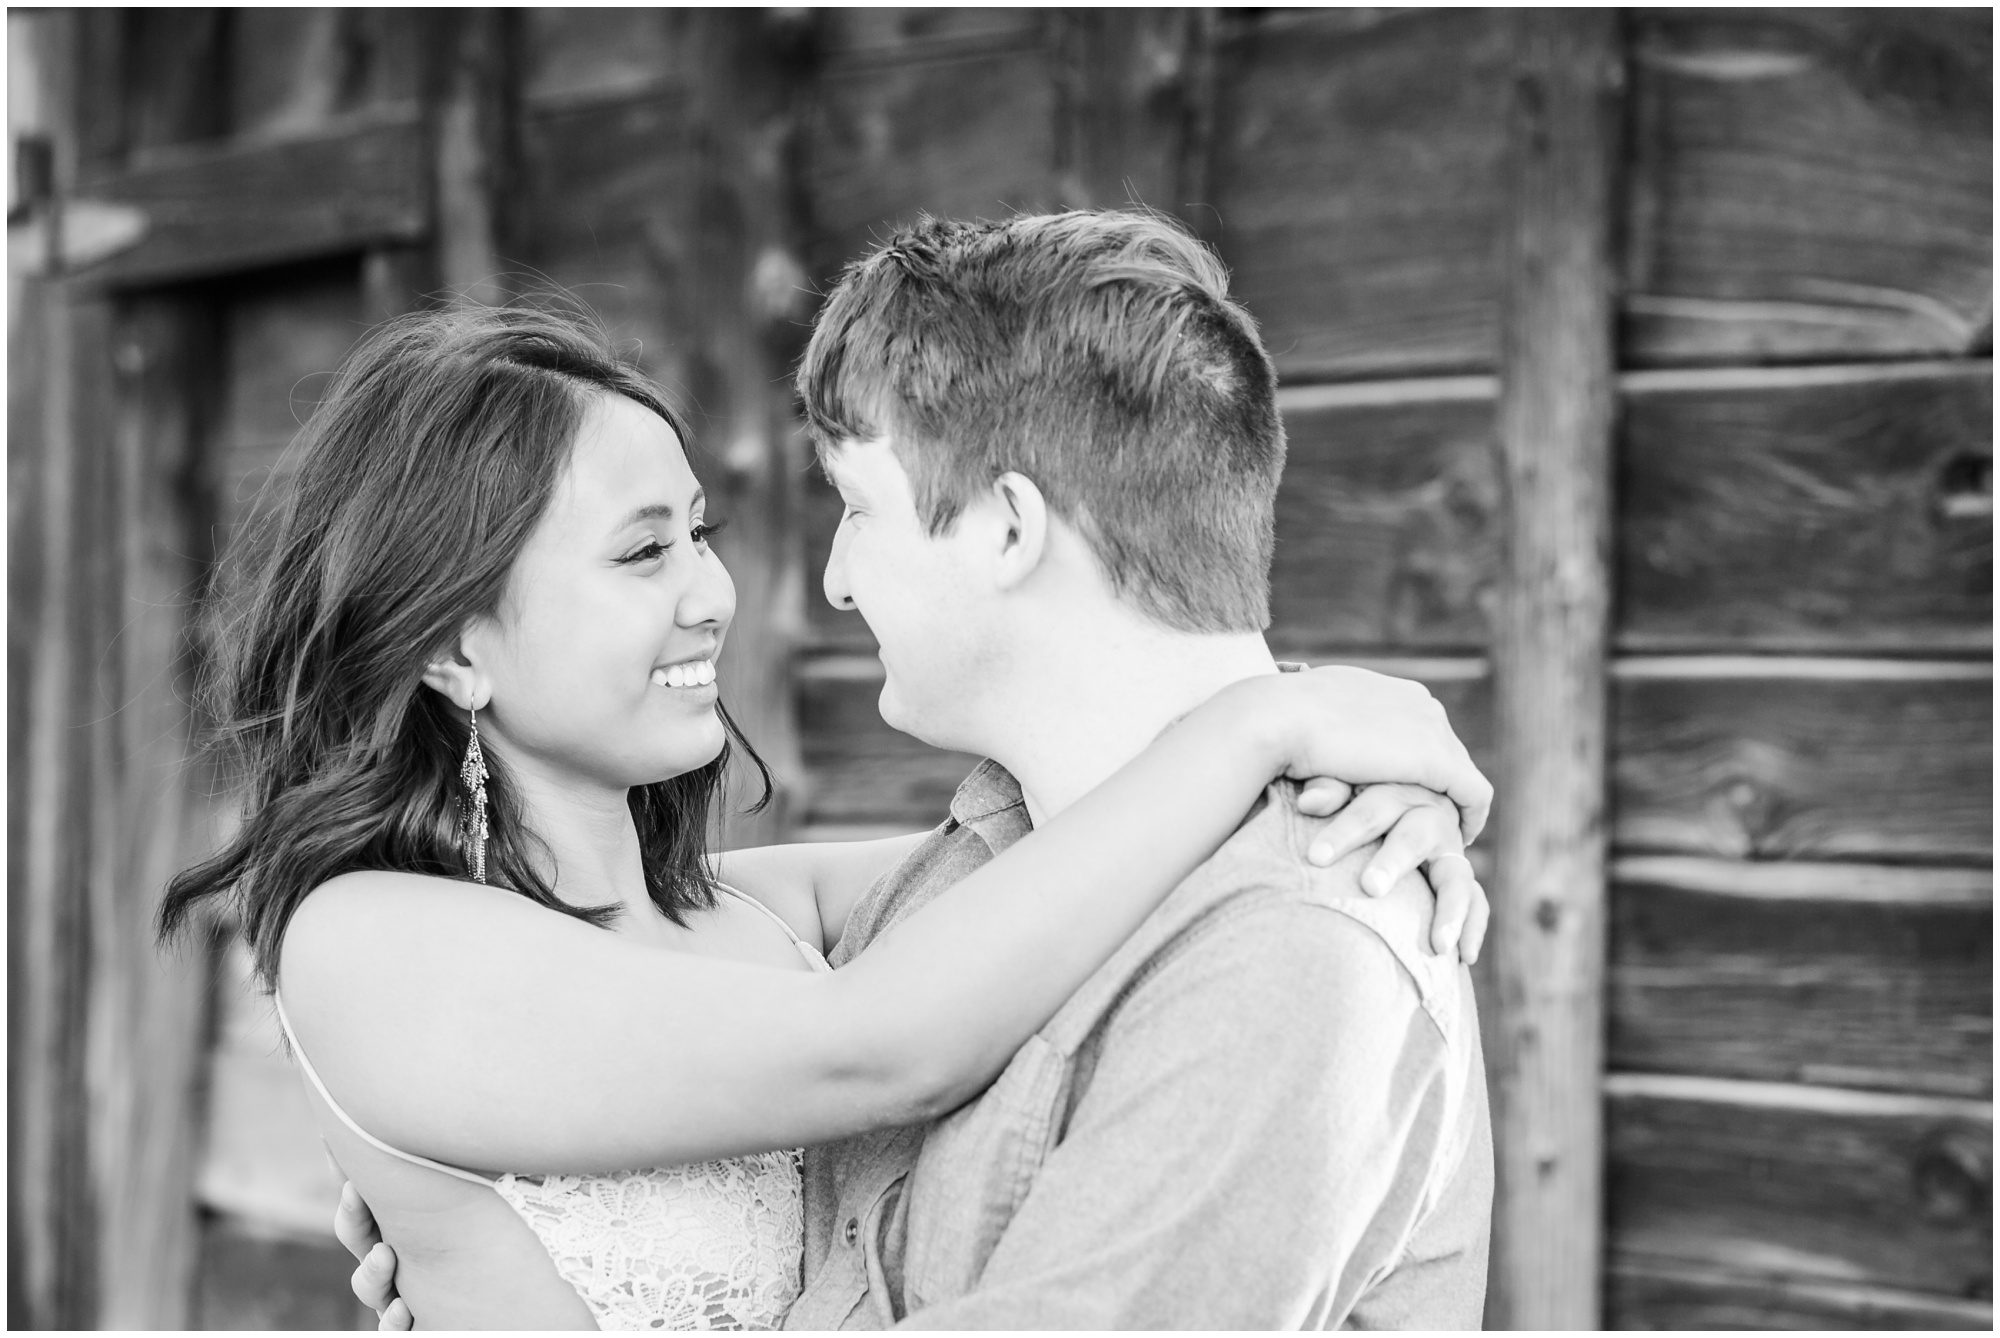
(474, 685)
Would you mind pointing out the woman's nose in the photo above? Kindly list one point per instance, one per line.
(711, 598)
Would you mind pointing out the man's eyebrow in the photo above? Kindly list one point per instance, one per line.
(659, 510)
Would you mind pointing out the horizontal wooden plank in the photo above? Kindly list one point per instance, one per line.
(254, 1280)
(1805, 1182)
(1355, 193)
(215, 208)
(1837, 509)
(970, 137)
(1809, 183)
(1651, 1294)
(1772, 759)
(1817, 973)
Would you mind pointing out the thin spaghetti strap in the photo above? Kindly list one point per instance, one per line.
(812, 955)
(312, 1076)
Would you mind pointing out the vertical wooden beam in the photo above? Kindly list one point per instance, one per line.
(475, 133)
(1556, 414)
(51, 403)
(149, 808)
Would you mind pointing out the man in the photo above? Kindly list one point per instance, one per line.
(1057, 445)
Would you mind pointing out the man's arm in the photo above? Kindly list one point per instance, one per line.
(1249, 1151)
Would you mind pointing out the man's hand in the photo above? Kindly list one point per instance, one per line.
(1418, 829)
(374, 1279)
(1367, 728)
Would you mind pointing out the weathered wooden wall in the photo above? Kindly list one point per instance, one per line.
(1797, 1005)
(1798, 917)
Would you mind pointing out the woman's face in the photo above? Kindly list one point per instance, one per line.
(600, 662)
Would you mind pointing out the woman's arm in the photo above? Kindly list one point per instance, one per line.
(475, 1027)
(1393, 734)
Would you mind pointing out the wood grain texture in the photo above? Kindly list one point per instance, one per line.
(293, 71)
(212, 209)
(1823, 509)
(968, 131)
(1804, 759)
(151, 812)
(1810, 184)
(52, 1256)
(1551, 639)
(1388, 522)
(576, 55)
(858, 770)
(887, 35)
(475, 140)
(605, 201)
(1135, 93)
(1803, 1182)
(1651, 1294)
(1358, 185)
(1837, 974)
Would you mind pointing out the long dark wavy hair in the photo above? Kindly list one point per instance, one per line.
(418, 480)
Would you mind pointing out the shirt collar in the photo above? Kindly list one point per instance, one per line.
(989, 802)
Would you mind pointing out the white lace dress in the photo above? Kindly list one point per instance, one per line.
(712, 1245)
(707, 1245)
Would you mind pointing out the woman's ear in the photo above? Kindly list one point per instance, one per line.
(1025, 513)
(455, 673)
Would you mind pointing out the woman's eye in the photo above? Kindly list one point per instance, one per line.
(645, 552)
(705, 530)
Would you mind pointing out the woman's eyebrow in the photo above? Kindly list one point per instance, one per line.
(660, 510)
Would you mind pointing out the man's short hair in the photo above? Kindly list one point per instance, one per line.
(1099, 354)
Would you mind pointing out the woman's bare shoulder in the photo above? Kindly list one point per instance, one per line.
(366, 924)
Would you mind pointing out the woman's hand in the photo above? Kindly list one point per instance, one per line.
(1368, 728)
(1418, 829)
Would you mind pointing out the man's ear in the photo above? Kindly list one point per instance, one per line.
(455, 673)
(1025, 516)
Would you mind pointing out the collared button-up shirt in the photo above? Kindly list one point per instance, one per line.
(1267, 1110)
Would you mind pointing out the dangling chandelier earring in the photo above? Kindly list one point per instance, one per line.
(472, 805)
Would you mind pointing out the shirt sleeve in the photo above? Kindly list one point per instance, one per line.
(1248, 1150)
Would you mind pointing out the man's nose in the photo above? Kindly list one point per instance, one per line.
(834, 579)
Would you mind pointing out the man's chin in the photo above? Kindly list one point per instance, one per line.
(923, 726)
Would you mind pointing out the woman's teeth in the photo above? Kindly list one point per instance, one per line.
(693, 674)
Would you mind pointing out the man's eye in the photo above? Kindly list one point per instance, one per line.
(705, 530)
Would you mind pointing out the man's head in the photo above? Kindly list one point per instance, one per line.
(1096, 354)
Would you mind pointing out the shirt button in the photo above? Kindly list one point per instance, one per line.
(852, 1230)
